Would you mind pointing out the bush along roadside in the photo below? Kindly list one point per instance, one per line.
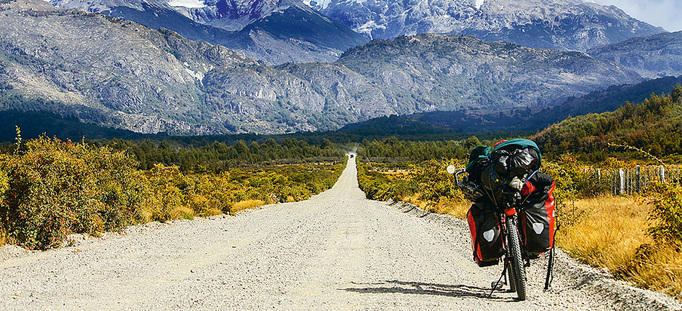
(425, 184)
(51, 188)
(658, 265)
(638, 239)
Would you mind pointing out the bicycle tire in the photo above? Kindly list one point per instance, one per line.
(516, 261)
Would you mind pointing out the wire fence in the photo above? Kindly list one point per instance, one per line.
(633, 180)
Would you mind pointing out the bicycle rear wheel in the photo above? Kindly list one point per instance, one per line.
(518, 270)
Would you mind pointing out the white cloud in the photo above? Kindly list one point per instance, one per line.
(662, 13)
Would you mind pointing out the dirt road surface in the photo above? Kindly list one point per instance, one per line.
(336, 251)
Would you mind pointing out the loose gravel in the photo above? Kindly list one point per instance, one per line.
(336, 251)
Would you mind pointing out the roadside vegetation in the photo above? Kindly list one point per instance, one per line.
(51, 188)
(637, 238)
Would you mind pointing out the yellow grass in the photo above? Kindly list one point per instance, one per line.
(246, 205)
(659, 270)
(609, 232)
(612, 234)
(443, 206)
(181, 212)
(3, 237)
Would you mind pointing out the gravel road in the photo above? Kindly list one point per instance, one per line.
(336, 251)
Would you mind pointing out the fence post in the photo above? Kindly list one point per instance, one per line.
(638, 179)
(621, 181)
(630, 180)
(662, 172)
(627, 181)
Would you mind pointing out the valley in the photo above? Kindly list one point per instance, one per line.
(189, 145)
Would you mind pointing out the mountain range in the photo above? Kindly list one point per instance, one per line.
(280, 31)
(274, 31)
(113, 72)
(537, 118)
(652, 57)
(557, 24)
(118, 73)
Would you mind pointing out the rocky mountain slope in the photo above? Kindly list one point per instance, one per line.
(105, 70)
(523, 118)
(118, 73)
(276, 31)
(557, 24)
(652, 57)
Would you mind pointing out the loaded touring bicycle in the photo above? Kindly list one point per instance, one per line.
(512, 218)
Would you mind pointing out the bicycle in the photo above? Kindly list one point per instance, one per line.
(516, 258)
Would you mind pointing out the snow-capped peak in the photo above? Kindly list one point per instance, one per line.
(323, 4)
(192, 4)
(479, 3)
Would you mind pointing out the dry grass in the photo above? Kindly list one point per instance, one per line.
(658, 268)
(609, 232)
(612, 234)
(181, 212)
(3, 237)
(246, 205)
(443, 206)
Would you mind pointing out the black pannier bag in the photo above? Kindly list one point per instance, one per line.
(485, 235)
(538, 215)
(515, 162)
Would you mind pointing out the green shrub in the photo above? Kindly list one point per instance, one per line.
(51, 188)
(56, 188)
(429, 180)
(666, 214)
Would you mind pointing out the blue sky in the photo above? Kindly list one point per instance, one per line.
(662, 13)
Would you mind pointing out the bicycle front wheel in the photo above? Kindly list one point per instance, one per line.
(518, 270)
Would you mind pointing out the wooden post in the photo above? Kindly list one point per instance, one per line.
(662, 173)
(650, 175)
(638, 179)
(627, 181)
(631, 172)
(621, 181)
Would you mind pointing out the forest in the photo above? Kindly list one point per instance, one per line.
(654, 126)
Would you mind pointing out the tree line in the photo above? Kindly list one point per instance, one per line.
(654, 126)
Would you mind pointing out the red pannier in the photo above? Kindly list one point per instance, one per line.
(538, 215)
(485, 235)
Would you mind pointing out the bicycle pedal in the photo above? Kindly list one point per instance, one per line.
(497, 285)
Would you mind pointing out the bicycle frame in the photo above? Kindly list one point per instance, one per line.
(515, 254)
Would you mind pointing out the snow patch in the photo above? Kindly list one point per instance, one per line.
(368, 27)
(197, 75)
(323, 4)
(478, 4)
(192, 4)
